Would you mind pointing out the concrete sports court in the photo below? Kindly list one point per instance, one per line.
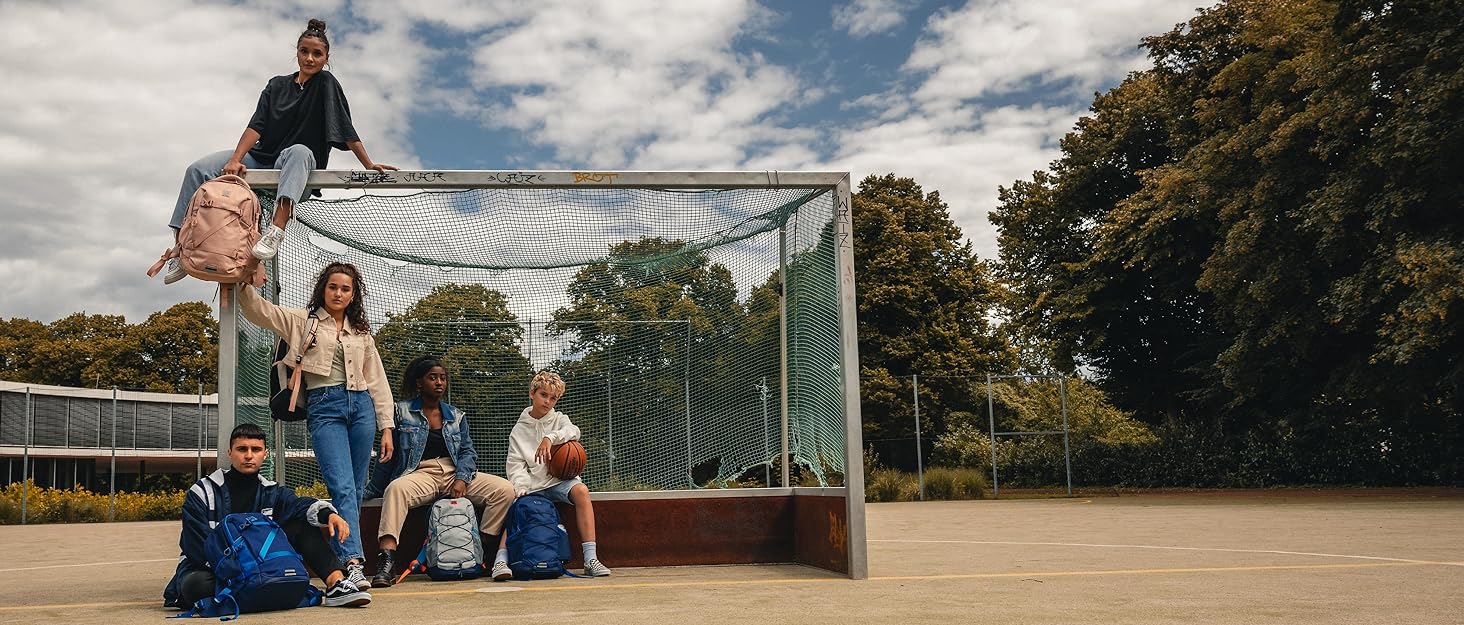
(1224, 557)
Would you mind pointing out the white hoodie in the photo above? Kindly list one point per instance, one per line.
(524, 440)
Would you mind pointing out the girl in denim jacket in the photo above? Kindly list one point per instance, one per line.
(346, 393)
(434, 458)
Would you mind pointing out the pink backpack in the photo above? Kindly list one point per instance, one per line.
(221, 226)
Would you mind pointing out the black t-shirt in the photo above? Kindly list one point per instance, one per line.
(436, 447)
(315, 115)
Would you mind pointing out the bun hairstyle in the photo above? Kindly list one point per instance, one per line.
(315, 28)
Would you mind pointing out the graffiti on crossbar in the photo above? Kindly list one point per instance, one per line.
(595, 177)
(366, 177)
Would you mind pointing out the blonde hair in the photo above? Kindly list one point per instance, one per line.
(548, 379)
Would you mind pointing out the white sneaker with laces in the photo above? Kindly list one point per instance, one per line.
(269, 243)
(501, 572)
(344, 594)
(593, 568)
(356, 574)
(175, 271)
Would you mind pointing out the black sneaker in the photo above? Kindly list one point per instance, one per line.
(383, 577)
(344, 594)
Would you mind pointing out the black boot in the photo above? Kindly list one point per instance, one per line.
(383, 578)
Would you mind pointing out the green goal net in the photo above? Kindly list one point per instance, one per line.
(660, 307)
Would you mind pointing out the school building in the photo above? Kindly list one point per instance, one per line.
(60, 436)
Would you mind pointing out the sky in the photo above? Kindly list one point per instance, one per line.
(105, 103)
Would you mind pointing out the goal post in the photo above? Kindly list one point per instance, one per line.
(669, 301)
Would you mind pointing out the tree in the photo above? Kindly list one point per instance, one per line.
(471, 328)
(171, 352)
(925, 303)
(1260, 233)
(648, 324)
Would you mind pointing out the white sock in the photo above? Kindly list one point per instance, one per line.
(501, 557)
(589, 551)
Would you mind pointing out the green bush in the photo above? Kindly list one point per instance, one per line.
(78, 505)
(890, 485)
(950, 484)
(315, 489)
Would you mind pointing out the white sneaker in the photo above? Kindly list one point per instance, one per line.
(501, 572)
(593, 568)
(175, 271)
(268, 244)
(356, 574)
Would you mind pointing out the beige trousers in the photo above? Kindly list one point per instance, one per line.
(433, 479)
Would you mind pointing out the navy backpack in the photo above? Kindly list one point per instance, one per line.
(255, 570)
(538, 544)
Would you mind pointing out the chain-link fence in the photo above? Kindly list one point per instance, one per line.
(1003, 422)
(104, 440)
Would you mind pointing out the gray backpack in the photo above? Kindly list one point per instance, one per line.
(454, 549)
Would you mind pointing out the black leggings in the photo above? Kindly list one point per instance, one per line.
(305, 538)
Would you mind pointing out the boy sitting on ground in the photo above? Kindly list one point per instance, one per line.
(539, 428)
(241, 489)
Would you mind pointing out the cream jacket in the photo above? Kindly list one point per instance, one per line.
(523, 441)
(364, 371)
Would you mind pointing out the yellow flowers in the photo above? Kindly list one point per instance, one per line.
(78, 505)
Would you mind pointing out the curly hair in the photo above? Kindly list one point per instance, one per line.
(414, 372)
(355, 310)
(547, 379)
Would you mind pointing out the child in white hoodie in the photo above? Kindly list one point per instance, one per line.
(538, 429)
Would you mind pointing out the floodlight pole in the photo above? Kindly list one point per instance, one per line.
(919, 463)
(686, 391)
(202, 419)
(1067, 454)
(783, 352)
(112, 487)
(30, 412)
(991, 423)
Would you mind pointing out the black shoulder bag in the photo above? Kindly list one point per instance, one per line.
(284, 385)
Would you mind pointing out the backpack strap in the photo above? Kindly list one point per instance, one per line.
(305, 345)
(417, 564)
(168, 254)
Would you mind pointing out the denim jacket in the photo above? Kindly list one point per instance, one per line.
(411, 440)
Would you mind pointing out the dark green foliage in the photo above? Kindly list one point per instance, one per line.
(1258, 245)
(170, 352)
(924, 302)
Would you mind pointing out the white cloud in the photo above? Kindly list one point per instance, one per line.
(943, 136)
(964, 155)
(997, 46)
(106, 103)
(97, 131)
(634, 84)
(862, 18)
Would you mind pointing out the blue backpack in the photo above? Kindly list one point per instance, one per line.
(538, 544)
(255, 570)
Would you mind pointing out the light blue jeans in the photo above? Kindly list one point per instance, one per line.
(342, 427)
(559, 493)
(294, 163)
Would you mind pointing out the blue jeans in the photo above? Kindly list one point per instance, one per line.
(294, 163)
(342, 428)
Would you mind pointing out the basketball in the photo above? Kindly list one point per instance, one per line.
(567, 460)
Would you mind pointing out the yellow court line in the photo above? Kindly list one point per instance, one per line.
(808, 580)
